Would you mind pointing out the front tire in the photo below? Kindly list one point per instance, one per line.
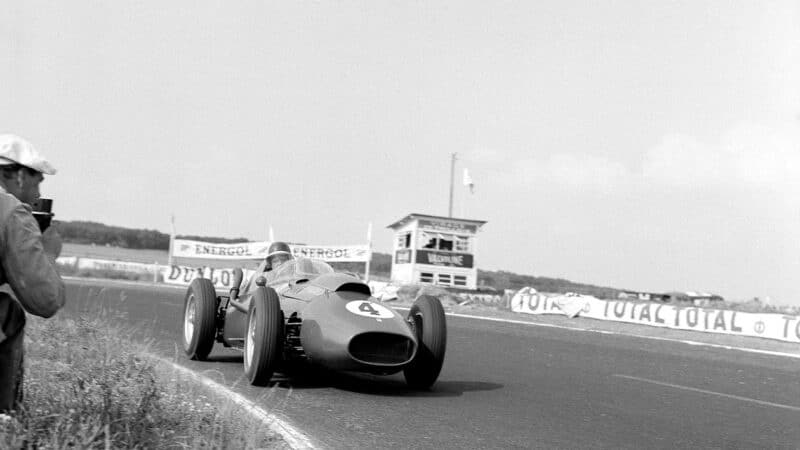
(427, 319)
(199, 319)
(264, 336)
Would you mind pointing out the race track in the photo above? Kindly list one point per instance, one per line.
(507, 385)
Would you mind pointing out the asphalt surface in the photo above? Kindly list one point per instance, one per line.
(507, 385)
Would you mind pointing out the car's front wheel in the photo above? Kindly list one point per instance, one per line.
(427, 320)
(263, 337)
(199, 319)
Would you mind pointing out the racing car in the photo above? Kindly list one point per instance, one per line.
(304, 311)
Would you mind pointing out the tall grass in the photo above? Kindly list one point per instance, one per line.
(88, 386)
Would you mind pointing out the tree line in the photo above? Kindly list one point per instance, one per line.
(81, 232)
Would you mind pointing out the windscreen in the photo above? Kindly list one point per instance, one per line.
(302, 268)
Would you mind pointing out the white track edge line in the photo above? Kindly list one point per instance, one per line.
(294, 437)
(707, 392)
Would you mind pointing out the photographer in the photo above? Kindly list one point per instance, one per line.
(27, 260)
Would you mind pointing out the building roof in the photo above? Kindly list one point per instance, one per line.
(414, 216)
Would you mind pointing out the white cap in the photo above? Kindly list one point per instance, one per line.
(15, 150)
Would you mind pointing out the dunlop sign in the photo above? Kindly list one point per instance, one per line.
(772, 326)
(183, 275)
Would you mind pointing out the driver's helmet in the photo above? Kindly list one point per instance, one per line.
(277, 254)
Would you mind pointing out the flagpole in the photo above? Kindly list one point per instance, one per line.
(467, 183)
(170, 259)
(452, 174)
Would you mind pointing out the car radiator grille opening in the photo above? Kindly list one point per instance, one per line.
(382, 348)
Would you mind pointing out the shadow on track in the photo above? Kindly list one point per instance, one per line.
(306, 377)
(397, 388)
(230, 358)
(390, 386)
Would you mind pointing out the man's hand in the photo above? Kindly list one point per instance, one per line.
(51, 241)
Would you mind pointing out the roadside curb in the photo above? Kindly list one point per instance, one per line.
(291, 435)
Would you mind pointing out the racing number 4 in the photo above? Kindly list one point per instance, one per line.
(367, 308)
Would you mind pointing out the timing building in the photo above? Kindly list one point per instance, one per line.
(435, 250)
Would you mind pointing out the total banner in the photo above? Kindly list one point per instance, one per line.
(182, 248)
(771, 326)
(183, 275)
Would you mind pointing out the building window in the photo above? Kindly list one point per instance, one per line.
(427, 240)
(462, 244)
(425, 277)
(444, 279)
(404, 240)
(446, 242)
(459, 280)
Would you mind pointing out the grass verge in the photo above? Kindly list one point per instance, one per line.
(88, 386)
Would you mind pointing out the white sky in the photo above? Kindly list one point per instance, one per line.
(642, 145)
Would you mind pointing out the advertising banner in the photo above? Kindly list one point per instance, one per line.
(183, 275)
(333, 253)
(118, 266)
(402, 256)
(444, 258)
(772, 326)
(183, 248)
(448, 225)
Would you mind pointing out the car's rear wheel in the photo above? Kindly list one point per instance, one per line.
(427, 320)
(263, 337)
(199, 319)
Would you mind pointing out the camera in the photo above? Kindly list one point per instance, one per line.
(43, 212)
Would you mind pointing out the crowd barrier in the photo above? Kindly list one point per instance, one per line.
(527, 300)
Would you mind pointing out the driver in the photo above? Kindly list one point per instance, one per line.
(277, 254)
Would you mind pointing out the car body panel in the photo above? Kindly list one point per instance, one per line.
(329, 327)
(342, 326)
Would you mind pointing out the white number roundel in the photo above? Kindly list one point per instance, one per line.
(369, 309)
